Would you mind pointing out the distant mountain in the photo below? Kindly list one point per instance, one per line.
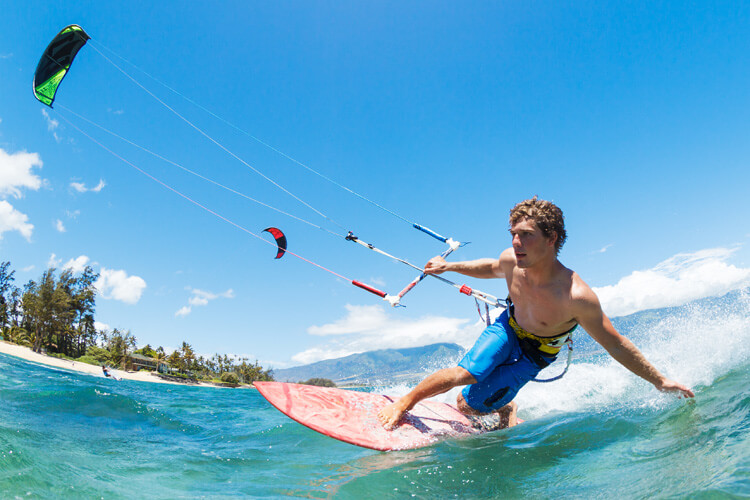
(382, 366)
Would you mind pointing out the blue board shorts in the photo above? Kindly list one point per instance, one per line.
(499, 365)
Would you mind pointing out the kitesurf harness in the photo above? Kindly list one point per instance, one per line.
(541, 350)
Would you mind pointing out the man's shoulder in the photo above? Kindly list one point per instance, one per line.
(581, 294)
(507, 260)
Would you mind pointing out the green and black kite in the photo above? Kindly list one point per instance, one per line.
(56, 61)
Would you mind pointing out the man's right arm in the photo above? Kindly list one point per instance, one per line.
(590, 316)
(480, 268)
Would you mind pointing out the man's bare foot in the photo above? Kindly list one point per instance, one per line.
(391, 414)
(505, 417)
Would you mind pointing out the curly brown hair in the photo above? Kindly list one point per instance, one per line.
(548, 217)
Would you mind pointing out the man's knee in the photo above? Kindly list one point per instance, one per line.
(464, 407)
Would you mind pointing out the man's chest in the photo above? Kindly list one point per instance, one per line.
(541, 310)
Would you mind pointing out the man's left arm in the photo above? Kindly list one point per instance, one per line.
(590, 316)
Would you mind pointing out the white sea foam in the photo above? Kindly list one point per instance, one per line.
(694, 345)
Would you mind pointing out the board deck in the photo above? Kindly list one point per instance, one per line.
(351, 416)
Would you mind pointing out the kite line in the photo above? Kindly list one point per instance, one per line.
(56, 62)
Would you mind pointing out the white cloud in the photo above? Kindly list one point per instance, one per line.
(101, 327)
(604, 248)
(16, 173)
(77, 265)
(111, 284)
(359, 319)
(378, 282)
(676, 281)
(13, 220)
(52, 124)
(59, 226)
(53, 261)
(117, 285)
(81, 187)
(365, 328)
(202, 298)
(324, 352)
(184, 311)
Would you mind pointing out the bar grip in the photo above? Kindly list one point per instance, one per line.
(368, 288)
(431, 233)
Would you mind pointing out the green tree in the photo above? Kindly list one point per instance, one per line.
(18, 335)
(15, 310)
(160, 357)
(60, 331)
(320, 382)
(120, 345)
(230, 378)
(147, 350)
(249, 373)
(187, 357)
(39, 308)
(83, 304)
(174, 360)
(96, 355)
(6, 288)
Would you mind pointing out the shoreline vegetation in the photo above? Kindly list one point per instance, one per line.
(51, 322)
(26, 354)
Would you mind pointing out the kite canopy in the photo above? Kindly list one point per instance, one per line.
(55, 62)
(280, 240)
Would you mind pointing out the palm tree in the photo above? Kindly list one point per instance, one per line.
(18, 335)
(187, 356)
(160, 358)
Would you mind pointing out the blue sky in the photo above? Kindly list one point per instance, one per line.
(632, 117)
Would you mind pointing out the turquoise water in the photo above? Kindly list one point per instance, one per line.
(597, 433)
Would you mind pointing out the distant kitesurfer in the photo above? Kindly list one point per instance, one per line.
(105, 371)
(545, 298)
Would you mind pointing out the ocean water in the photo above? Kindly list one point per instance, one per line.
(597, 433)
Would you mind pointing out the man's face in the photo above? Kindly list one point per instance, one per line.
(529, 243)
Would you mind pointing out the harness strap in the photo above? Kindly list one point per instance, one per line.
(486, 318)
(569, 342)
(530, 347)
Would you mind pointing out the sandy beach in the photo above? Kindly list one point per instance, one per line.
(142, 376)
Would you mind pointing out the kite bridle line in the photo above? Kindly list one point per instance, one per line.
(393, 300)
(196, 174)
(424, 229)
(225, 219)
(216, 142)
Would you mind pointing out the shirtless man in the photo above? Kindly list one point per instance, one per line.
(546, 298)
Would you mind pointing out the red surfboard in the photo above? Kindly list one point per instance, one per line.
(351, 416)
